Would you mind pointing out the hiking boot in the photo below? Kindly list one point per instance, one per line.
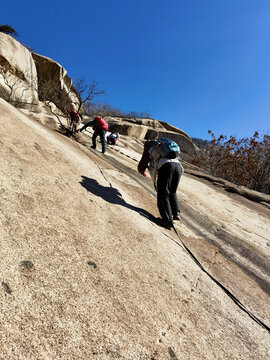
(176, 217)
(164, 223)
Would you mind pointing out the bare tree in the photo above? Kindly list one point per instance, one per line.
(86, 91)
(137, 114)
(18, 85)
(51, 91)
(53, 96)
(95, 108)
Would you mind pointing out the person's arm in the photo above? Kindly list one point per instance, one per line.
(87, 124)
(145, 160)
(143, 164)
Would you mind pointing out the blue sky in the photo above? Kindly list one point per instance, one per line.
(196, 64)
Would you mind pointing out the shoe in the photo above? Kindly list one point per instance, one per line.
(164, 223)
(176, 217)
(93, 147)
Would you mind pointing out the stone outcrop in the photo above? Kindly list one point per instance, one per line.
(35, 79)
(54, 84)
(18, 75)
(174, 129)
(136, 128)
(26, 78)
(149, 129)
(188, 149)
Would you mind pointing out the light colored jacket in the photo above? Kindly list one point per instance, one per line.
(156, 164)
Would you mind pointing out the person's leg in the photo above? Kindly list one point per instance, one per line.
(94, 137)
(74, 128)
(163, 192)
(174, 203)
(102, 139)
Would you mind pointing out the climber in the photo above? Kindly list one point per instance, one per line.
(161, 158)
(74, 120)
(112, 138)
(100, 126)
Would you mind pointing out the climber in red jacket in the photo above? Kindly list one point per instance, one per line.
(75, 119)
(100, 126)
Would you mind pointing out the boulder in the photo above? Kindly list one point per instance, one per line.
(188, 150)
(18, 75)
(149, 129)
(152, 123)
(173, 129)
(128, 129)
(54, 84)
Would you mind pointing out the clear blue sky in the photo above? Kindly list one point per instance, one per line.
(196, 64)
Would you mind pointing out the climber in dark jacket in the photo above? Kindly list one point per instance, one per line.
(166, 173)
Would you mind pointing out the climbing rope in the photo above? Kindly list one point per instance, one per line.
(235, 300)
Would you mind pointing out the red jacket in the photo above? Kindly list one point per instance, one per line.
(74, 116)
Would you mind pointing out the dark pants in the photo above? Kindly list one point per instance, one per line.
(168, 179)
(101, 134)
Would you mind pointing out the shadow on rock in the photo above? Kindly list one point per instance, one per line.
(112, 196)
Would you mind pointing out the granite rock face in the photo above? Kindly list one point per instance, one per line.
(34, 80)
(86, 273)
(149, 129)
(18, 75)
(54, 84)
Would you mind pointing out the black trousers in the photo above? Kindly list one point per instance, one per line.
(168, 180)
(101, 133)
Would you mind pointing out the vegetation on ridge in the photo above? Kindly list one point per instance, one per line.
(7, 29)
(243, 162)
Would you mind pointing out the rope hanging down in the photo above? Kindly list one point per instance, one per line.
(235, 300)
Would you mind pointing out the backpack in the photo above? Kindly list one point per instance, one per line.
(101, 123)
(162, 148)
